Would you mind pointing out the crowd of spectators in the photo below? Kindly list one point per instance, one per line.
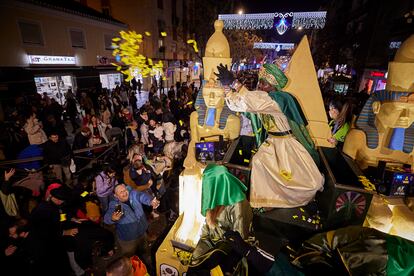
(79, 199)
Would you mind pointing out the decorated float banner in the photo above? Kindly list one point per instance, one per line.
(281, 22)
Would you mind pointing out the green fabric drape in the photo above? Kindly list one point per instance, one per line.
(400, 256)
(289, 106)
(297, 120)
(259, 131)
(220, 188)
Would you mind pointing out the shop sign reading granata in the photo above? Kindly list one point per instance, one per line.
(40, 59)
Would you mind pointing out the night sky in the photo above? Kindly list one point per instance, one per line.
(264, 6)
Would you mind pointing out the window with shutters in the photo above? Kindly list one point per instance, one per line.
(77, 38)
(31, 33)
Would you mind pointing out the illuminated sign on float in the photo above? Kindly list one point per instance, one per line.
(38, 59)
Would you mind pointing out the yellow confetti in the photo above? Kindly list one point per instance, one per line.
(194, 43)
(240, 152)
(286, 175)
(246, 161)
(164, 34)
(181, 122)
(302, 210)
(85, 193)
(313, 221)
(127, 47)
(295, 216)
(62, 217)
(303, 218)
(189, 103)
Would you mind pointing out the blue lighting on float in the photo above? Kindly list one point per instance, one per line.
(118, 58)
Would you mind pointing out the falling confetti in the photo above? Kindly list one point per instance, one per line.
(194, 43)
(126, 51)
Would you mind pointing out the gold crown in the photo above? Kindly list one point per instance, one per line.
(263, 74)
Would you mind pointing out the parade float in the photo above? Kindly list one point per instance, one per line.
(347, 190)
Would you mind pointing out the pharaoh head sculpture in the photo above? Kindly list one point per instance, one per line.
(393, 108)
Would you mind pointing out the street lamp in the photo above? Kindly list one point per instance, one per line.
(240, 11)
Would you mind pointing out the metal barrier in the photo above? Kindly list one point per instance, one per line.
(110, 146)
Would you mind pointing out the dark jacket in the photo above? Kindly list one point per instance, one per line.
(46, 240)
(57, 153)
(80, 141)
(140, 179)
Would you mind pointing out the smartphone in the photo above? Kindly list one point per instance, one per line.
(118, 208)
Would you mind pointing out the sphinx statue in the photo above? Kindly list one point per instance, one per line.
(211, 118)
(385, 131)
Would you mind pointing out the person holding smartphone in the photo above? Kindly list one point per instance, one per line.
(125, 211)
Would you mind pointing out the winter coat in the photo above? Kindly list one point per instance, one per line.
(105, 185)
(102, 129)
(169, 130)
(57, 153)
(144, 133)
(133, 224)
(35, 133)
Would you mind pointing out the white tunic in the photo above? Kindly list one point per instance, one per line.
(284, 174)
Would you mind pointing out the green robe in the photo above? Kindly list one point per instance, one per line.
(221, 188)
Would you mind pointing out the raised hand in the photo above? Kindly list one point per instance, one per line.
(155, 203)
(224, 75)
(9, 174)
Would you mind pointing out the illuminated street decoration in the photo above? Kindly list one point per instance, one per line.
(126, 51)
(273, 46)
(279, 21)
(395, 44)
(282, 25)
